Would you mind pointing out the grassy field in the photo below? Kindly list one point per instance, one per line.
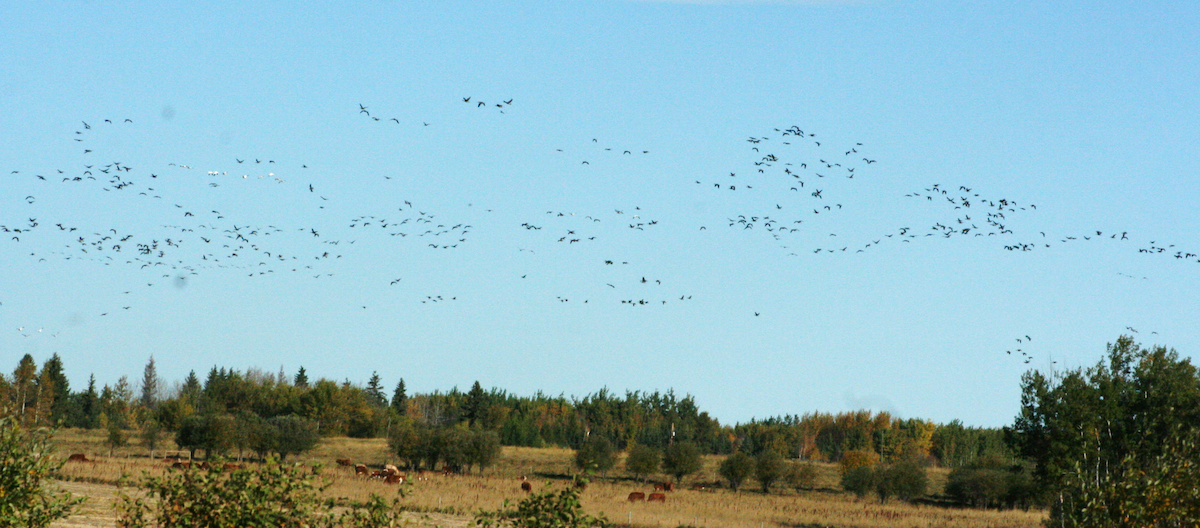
(438, 500)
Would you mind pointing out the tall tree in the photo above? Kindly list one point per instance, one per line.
(1097, 425)
(476, 402)
(149, 385)
(301, 380)
(191, 388)
(374, 391)
(400, 399)
(52, 369)
(88, 406)
(24, 389)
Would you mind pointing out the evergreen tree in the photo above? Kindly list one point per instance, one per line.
(89, 406)
(191, 388)
(374, 391)
(476, 402)
(400, 399)
(61, 405)
(149, 385)
(301, 380)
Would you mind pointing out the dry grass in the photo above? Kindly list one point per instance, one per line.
(438, 500)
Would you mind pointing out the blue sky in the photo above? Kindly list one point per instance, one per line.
(1086, 110)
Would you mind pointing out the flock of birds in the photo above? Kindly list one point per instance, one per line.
(797, 183)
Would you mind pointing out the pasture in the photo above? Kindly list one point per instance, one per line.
(441, 500)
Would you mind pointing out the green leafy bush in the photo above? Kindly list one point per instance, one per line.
(273, 494)
(26, 461)
(768, 469)
(801, 476)
(681, 459)
(860, 481)
(596, 455)
(548, 509)
(642, 460)
(736, 468)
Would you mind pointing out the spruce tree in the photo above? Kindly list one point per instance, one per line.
(191, 388)
(149, 385)
(476, 401)
(400, 399)
(301, 380)
(89, 406)
(61, 406)
(374, 390)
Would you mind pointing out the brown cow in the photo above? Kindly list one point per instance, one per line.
(527, 487)
(669, 486)
(181, 465)
(658, 486)
(657, 497)
(360, 470)
(636, 496)
(77, 457)
(344, 462)
(394, 478)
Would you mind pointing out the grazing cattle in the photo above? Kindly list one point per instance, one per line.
(669, 486)
(77, 457)
(391, 469)
(527, 487)
(658, 486)
(657, 497)
(181, 465)
(698, 487)
(344, 462)
(636, 496)
(394, 478)
(360, 470)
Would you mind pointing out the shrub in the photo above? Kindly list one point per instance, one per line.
(642, 460)
(801, 475)
(596, 455)
(25, 463)
(543, 510)
(860, 480)
(736, 468)
(905, 480)
(294, 435)
(768, 469)
(681, 459)
(274, 495)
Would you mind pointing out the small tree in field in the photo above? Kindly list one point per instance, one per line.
(801, 476)
(115, 437)
(26, 463)
(736, 468)
(768, 469)
(681, 459)
(294, 435)
(642, 460)
(596, 455)
(151, 435)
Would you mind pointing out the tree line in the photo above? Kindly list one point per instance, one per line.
(228, 411)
